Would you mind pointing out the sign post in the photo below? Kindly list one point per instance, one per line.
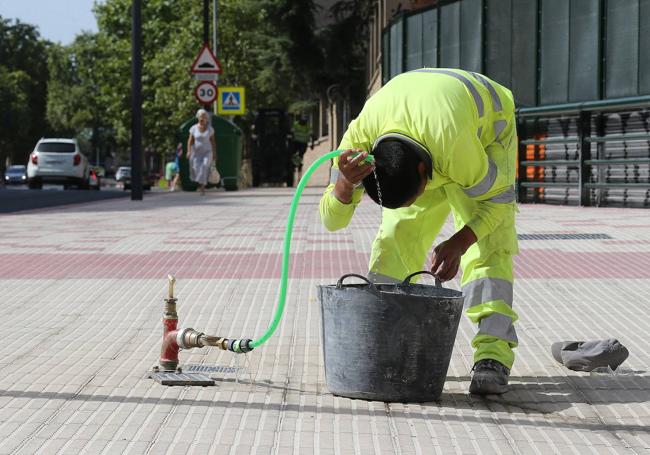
(215, 42)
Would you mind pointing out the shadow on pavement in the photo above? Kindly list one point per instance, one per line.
(541, 406)
(20, 200)
(189, 199)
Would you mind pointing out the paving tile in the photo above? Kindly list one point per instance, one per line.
(74, 379)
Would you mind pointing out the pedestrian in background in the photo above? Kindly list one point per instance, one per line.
(201, 149)
(170, 174)
(172, 168)
(302, 134)
(177, 162)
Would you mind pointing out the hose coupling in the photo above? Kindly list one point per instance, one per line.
(189, 338)
(240, 346)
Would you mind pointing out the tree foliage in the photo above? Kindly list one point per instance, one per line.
(23, 84)
(271, 47)
(344, 48)
(268, 46)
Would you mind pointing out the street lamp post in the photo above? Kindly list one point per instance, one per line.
(136, 102)
(206, 21)
(215, 18)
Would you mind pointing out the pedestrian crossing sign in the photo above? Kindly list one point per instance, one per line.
(231, 101)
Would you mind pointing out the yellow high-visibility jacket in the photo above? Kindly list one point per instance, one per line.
(301, 133)
(457, 116)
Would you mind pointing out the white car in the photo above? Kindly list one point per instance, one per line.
(57, 161)
(122, 173)
(123, 176)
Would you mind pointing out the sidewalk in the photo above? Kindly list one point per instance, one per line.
(83, 290)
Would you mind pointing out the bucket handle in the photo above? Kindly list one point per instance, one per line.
(339, 285)
(407, 280)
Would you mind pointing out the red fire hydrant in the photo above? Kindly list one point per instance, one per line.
(169, 351)
(175, 339)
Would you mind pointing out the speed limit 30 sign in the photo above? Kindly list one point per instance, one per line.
(205, 92)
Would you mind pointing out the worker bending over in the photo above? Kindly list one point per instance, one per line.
(443, 140)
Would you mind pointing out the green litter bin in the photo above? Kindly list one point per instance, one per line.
(228, 137)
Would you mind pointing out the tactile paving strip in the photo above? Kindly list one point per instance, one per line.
(563, 237)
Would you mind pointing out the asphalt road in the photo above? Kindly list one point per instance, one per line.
(18, 198)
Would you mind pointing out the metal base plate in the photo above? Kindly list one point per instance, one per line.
(174, 378)
(212, 370)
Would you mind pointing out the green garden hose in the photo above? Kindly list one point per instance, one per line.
(286, 248)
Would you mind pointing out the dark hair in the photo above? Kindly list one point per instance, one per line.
(396, 167)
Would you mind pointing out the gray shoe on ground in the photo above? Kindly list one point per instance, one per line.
(588, 355)
(490, 377)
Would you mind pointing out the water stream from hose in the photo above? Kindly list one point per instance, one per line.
(381, 232)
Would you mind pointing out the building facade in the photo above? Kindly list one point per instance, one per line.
(579, 71)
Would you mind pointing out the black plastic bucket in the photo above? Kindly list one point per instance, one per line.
(388, 342)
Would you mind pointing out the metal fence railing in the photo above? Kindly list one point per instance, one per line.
(591, 153)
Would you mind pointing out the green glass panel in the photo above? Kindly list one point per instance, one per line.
(430, 38)
(499, 41)
(644, 47)
(471, 35)
(554, 52)
(396, 48)
(622, 49)
(524, 52)
(414, 42)
(450, 35)
(584, 34)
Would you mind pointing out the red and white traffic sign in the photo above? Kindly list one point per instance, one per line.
(206, 62)
(205, 92)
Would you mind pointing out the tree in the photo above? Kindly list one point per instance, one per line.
(23, 82)
(168, 51)
(75, 105)
(14, 116)
(344, 48)
(274, 54)
(268, 46)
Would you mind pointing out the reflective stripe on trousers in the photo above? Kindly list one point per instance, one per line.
(483, 290)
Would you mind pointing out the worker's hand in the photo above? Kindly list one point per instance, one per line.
(446, 260)
(352, 172)
(446, 256)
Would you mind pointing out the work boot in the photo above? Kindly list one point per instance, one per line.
(490, 377)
